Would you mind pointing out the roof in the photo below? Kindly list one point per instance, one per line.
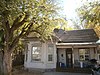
(76, 36)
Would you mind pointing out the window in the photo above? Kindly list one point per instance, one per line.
(36, 52)
(50, 52)
(84, 54)
(50, 57)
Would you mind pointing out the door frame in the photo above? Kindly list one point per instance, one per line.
(66, 50)
(70, 61)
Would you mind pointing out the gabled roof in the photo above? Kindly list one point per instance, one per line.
(76, 36)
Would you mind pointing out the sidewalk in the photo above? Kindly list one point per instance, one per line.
(63, 73)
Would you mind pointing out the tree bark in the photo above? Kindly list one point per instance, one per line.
(1, 63)
(7, 63)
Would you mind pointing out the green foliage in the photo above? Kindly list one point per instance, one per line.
(20, 17)
(90, 14)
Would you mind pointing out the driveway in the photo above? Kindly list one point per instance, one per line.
(63, 73)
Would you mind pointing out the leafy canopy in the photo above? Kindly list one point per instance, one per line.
(90, 14)
(20, 17)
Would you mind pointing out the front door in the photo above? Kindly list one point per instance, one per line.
(69, 62)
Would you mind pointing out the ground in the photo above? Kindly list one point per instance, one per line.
(49, 73)
(26, 72)
(19, 70)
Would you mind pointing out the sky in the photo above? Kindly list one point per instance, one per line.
(69, 8)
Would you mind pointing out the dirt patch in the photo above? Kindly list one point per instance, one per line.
(22, 71)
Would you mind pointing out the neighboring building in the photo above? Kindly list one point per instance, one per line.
(67, 49)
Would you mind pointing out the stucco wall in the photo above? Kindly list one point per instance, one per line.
(61, 52)
(51, 64)
(43, 64)
(92, 53)
(76, 54)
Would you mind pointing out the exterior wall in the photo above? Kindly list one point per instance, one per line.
(34, 64)
(76, 54)
(43, 64)
(98, 54)
(92, 53)
(75, 51)
(51, 64)
(62, 59)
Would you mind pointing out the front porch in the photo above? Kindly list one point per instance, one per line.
(75, 57)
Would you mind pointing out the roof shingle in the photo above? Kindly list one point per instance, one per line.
(76, 36)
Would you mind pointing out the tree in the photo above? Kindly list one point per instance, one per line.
(20, 17)
(90, 15)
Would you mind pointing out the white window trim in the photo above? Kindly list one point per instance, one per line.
(51, 53)
(36, 44)
(84, 55)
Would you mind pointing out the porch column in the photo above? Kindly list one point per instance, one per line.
(73, 56)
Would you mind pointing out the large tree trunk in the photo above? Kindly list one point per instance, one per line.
(1, 63)
(7, 63)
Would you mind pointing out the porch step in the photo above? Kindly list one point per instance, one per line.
(75, 70)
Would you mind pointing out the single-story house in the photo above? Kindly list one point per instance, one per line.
(67, 49)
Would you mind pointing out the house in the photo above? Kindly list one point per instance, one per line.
(67, 49)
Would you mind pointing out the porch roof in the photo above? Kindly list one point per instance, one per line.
(76, 36)
(76, 43)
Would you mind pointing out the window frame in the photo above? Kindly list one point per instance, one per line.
(51, 52)
(38, 44)
(50, 57)
(84, 54)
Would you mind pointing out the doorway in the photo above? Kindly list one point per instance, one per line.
(69, 62)
(64, 57)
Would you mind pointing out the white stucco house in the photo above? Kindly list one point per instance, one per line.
(67, 49)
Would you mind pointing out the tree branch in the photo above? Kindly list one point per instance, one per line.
(16, 39)
(19, 24)
(6, 25)
(22, 34)
(28, 30)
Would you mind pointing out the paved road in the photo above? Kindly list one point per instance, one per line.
(63, 73)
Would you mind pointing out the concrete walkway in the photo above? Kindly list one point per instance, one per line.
(63, 73)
